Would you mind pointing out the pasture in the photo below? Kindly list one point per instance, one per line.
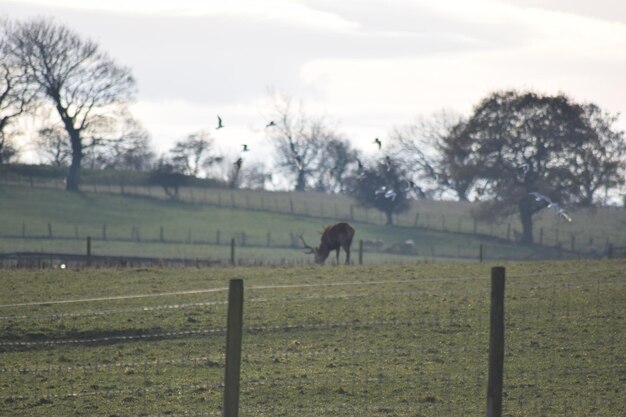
(395, 340)
(265, 226)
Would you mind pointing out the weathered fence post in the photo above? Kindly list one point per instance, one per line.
(361, 252)
(232, 251)
(88, 250)
(480, 253)
(234, 331)
(496, 344)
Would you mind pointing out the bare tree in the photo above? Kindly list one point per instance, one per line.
(16, 95)
(80, 80)
(53, 146)
(118, 142)
(194, 152)
(300, 141)
(434, 160)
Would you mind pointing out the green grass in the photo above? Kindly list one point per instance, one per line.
(30, 215)
(405, 340)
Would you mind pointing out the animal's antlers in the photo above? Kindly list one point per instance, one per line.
(311, 249)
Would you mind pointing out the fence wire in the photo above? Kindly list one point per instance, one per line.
(403, 347)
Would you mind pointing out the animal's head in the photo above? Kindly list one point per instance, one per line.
(320, 257)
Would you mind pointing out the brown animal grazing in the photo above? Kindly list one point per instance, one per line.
(334, 237)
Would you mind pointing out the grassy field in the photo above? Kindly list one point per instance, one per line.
(151, 226)
(397, 340)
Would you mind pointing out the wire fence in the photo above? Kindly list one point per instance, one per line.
(405, 346)
(442, 216)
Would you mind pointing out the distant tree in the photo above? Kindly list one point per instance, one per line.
(79, 80)
(338, 160)
(118, 142)
(16, 95)
(194, 152)
(299, 141)
(53, 146)
(383, 186)
(523, 143)
(167, 176)
(599, 163)
(255, 176)
(433, 154)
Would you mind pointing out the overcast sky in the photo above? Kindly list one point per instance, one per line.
(367, 65)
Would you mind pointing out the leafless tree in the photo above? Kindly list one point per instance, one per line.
(424, 146)
(300, 141)
(194, 152)
(16, 95)
(78, 79)
(118, 142)
(53, 146)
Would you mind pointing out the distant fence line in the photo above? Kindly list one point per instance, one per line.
(289, 203)
(269, 239)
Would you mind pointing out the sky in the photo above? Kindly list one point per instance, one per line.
(367, 66)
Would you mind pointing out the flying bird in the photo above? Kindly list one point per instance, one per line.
(219, 122)
(554, 206)
(270, 124)
(378, 142)
(388, 193)
(245, 148)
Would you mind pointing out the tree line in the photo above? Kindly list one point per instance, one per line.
(514, 146)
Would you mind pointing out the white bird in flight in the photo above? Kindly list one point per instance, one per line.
(554, 206)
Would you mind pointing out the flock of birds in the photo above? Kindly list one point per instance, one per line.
(390, 193)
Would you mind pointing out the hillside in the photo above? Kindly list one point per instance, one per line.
(142, 223)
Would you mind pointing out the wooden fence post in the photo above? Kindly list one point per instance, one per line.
(361, 252)
(234, 333)
(232, 251)
(88, 250)
(496, 343)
